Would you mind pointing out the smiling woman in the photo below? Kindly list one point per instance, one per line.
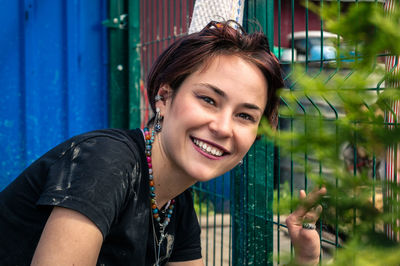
(121, 197)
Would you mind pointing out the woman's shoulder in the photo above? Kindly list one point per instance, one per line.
(113, 143)
(132, 138)
(97, 154)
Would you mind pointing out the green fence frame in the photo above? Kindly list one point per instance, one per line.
(125, 68)
(253, 181)
(134, 64)
(250, 226)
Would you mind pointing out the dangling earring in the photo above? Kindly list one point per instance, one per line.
(157, 121)
(240, 163)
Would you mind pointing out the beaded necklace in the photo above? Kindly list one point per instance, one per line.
(168, 210)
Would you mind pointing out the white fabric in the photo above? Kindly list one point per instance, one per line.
(218, 10)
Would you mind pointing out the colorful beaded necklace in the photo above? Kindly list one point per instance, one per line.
(168, 210)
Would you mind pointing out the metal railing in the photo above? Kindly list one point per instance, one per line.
(236, 210)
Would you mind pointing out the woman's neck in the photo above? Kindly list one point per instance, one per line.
(169, 179)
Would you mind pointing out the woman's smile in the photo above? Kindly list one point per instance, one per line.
(211, 151)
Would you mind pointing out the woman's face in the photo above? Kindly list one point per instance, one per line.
(212, 121)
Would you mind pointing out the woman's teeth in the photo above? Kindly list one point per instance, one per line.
(208, 148)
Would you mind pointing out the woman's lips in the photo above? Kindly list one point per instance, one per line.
(211, 151)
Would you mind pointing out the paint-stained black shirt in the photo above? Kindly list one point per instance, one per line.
(103, 175)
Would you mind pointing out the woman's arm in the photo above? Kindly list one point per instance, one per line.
(68, 238)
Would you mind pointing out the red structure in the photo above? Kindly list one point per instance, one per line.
(288, 15)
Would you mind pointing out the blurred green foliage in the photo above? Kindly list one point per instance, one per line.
(351, 207)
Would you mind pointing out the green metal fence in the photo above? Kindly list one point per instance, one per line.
(235, 210)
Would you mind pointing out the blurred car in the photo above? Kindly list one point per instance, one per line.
(309, 44)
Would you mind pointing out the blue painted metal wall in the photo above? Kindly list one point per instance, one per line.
(53, 76)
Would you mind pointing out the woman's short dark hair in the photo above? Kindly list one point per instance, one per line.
(189, 53)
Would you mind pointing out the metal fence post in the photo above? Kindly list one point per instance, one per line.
(134, 63)
(269, 27)
(252, 212)
(253, 181)
(125, 72)
(119, 62)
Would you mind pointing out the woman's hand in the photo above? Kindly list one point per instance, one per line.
(306, 241)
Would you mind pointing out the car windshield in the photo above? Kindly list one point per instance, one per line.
(300, 44)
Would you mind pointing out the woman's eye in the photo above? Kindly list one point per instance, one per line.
(208, 100)
(246, 117)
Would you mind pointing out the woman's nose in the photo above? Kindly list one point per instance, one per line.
(222, 125)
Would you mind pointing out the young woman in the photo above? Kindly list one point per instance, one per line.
(119, 197)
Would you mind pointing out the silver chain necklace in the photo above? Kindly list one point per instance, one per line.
(157, 243)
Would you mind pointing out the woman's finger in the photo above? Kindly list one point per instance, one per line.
(313, 197)
(308, 201)
(302, 194)
(312, 215)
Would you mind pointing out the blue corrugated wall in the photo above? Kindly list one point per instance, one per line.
(53, 76)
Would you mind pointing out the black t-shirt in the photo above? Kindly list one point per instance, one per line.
(103, 175)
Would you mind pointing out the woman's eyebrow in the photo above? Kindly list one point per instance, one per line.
(252, 106)
(214, 88)
(223, 94)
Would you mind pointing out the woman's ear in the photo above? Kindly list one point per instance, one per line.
(163, 97)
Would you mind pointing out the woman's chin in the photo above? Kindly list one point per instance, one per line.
(204, 176)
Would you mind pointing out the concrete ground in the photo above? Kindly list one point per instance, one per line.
(216, 241)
